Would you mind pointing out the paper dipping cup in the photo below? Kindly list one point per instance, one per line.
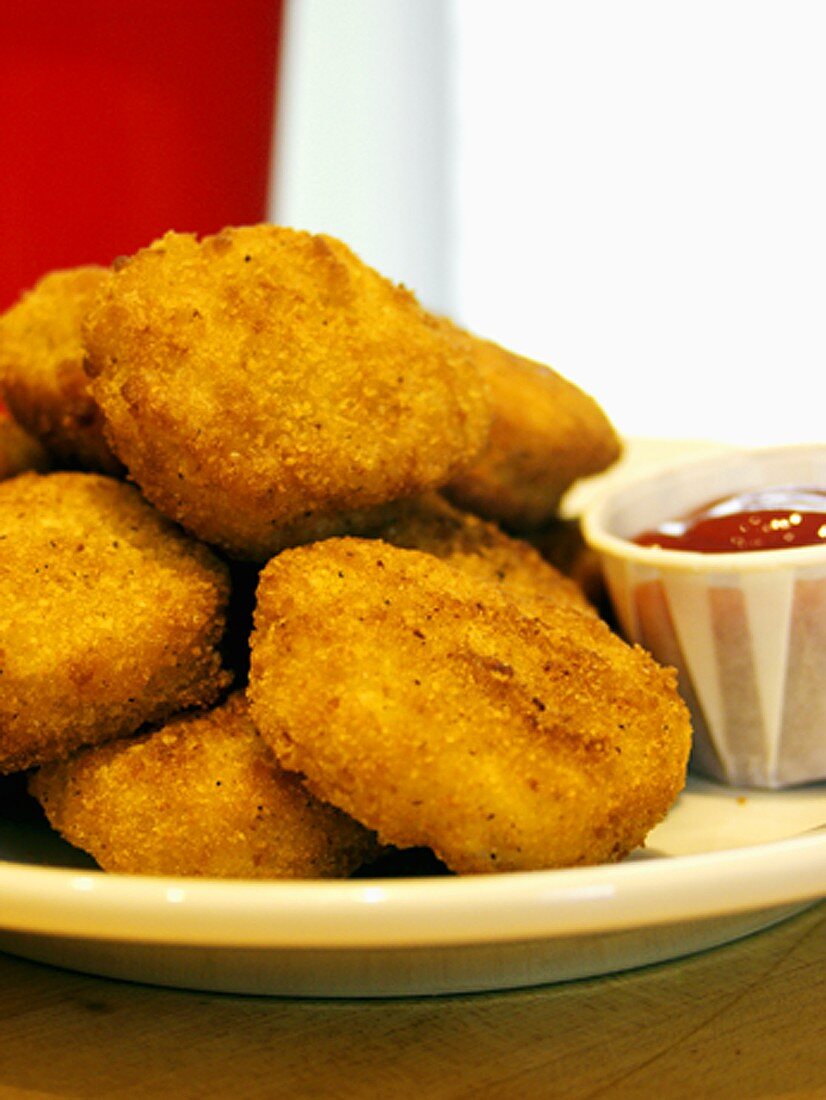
(746, 631)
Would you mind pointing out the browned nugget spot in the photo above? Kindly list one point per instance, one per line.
(19, 451)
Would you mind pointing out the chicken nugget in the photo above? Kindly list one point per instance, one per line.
(109, 616)
(482, 550)
(202, 795)
(41, 368)
(561, 543)
(546, 434)
(19, 451)
(265, 387)
(434, 710)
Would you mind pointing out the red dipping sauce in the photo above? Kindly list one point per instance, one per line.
(766, 519)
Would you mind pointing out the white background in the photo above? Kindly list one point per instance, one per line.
(631, 190)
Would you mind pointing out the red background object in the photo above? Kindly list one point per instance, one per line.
(120, 120)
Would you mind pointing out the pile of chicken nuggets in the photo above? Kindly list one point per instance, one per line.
(277, 582)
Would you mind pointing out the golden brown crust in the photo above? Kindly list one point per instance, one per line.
(438, 713)
(41, 368)
(202, 795)
(111, 616)
(480, 549)
(546, 434)
(265, 387)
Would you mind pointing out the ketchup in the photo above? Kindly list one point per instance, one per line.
(764, 519)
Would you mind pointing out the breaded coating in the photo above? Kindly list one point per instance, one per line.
(546, 434)
(202, 795)
(19, 451)
(561, 543)
(265, 387)
(434, 710)
(482, 550)
(109, 616)
(41, 368)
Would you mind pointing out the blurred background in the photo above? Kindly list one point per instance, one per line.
(120, 121)
(629, 190)
(632, 192)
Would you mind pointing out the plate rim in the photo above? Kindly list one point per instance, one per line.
(373, 913)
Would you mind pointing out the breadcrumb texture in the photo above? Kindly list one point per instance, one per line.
(264, 387)
(42, 376)
(435, 711)
(109, 616)
(482, 550)
(202, 795)
(546, 434)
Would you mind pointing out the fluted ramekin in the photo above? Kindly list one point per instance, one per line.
(746, 630)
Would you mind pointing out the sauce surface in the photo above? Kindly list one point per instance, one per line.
(764, 519)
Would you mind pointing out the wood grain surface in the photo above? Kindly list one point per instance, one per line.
(743, 1021)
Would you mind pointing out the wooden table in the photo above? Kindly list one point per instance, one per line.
(742, 1021)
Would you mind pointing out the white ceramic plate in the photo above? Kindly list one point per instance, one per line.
(723, 864)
